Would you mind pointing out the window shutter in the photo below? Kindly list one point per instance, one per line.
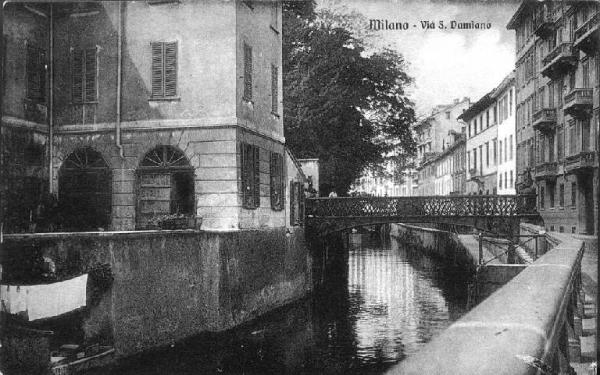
(157, 69)
(90, 75)
(247, 72)
(77, 76)
(256, 191)
(170, 73)
(292, 203)
(272, 174)
(245, 176)
(32, 76)
(274, 89)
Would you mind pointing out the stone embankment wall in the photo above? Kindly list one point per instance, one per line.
(436, 243)
(168, 285)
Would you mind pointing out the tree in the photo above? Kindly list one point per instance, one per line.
(342, 104)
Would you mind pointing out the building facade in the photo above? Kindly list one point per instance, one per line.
(444, 174)
(488, 157)
(557, 78)
(434, 133)
(124, 124)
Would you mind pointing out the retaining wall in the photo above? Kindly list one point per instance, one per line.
(168, 285)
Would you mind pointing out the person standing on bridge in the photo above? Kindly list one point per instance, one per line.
(333, 194)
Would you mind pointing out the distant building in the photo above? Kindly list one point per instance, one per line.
(557, 85)
(444, 174)
(433, 133)
(485, 151)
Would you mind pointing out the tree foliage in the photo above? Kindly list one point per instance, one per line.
(343, 103)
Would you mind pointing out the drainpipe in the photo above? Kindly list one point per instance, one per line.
(51, 105)
(119, 63)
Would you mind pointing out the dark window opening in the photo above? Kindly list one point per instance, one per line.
(85, 191)
(247, 73)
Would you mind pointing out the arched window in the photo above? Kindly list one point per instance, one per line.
(85, 191)
(165, 186)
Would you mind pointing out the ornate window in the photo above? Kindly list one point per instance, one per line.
(165, 185)
(85, 183)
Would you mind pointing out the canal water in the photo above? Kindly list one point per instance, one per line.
(391, 301)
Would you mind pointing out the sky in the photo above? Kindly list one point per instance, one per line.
(445, 63)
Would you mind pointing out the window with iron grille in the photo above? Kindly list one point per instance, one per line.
(36, 73)
(250, 176)
(276, 169)
(274, 90)
(247, 72)
(84, 76)
(561, 195)
(164, 70)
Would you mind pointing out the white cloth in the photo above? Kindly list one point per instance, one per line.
(45, 300)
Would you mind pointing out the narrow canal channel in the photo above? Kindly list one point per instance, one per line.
(392, 301)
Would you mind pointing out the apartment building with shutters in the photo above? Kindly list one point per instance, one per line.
(490, 148)
(557, 79)
(129, 112)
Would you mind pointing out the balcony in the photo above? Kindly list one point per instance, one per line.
(580, 163)
(543, 26)
(546, 171)
(559, 61)
(544, 119)
(587, 37)
(578, 103)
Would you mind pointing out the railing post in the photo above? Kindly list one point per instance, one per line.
(536, 248)
(480, 248)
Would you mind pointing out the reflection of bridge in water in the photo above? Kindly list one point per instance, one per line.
(498, 212)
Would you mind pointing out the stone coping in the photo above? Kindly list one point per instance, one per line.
(523, 318)
(114, 234)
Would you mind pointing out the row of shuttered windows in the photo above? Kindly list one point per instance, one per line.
(164, 72)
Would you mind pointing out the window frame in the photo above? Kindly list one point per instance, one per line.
(35, 72)
(84, 99)
(247, 94)
(250, 175)
(164, 81)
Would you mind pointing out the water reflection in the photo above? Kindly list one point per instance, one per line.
(391, 302)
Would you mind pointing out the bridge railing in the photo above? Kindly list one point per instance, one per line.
(528, 324)
(422, 206)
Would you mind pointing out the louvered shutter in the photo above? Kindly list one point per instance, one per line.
(90, 75)
(245, 176)
(77, 76)
(292, 203)
(256, 190)
(274, 89)
(247, 72)
(157, 70)
(170, 63)
(32, 74)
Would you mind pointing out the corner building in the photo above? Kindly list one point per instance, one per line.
(558, 77)
(129, 111)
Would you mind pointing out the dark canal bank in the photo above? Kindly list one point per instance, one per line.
(392, 300)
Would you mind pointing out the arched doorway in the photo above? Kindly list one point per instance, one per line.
(85, 191)
(165, 185)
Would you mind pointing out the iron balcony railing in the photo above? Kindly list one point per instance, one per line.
(422, 206)
(547, 169)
